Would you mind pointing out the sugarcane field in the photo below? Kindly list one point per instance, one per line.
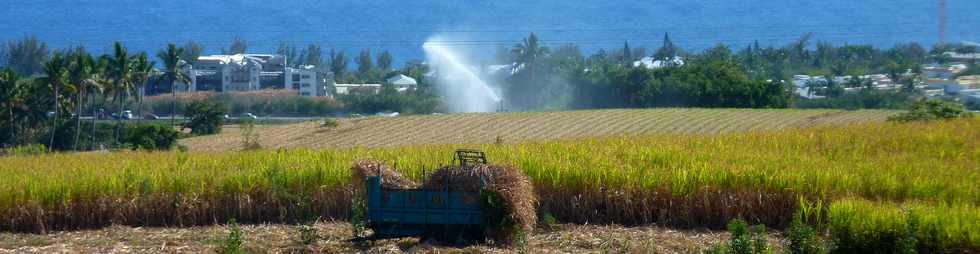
(506, 126)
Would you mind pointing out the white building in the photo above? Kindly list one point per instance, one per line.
(252, 72)
(965, 57)
(306, 81)
(239, 73)
(402, 83)
(649, 62)
(342, 89)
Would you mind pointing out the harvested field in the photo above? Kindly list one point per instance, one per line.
(532, 126)
(333, 238)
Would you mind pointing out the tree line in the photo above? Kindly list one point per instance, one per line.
(43, 91)
(43, 94)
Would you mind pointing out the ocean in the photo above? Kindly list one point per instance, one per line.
(481, 26)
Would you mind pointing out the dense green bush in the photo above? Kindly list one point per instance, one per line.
(932, 109)
(279, 103)
(204, 117)
(29, 149)
(803, 239)
(150, 137)
(91, 136)
(744, 240)
(868, 99)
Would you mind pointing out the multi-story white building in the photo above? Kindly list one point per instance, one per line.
(239, 73)
(306, 81)
(249, 72)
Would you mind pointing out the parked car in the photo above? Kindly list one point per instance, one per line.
(126, 115)
(388, 114)
(249, 116)
(150, 116)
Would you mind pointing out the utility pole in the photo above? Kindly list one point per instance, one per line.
(942, 22)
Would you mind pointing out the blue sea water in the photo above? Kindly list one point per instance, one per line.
(482, 26)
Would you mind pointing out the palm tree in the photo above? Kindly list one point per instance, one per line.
(174, 72)
(529, 50)
(56, 77)
(527, 54)
(8, 94)
(83, 75)
(142, 71)
(101, 86)
(121, 73)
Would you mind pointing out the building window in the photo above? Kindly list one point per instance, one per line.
(295, 86)
(306, 84)
(305, 94)
(295, 77)
(306, 76)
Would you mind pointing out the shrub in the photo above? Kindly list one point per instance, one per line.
(329, 123)
(909, 242)
(150, 137)
(29, 149)
(741, 241)
(803, 238)
(250, 137)
(744, 240)
(760, 244)
(548, 221)
(233, 243)
(358, 217)
(932, 109)
(205, 117)
(103, 134)
(265, 102)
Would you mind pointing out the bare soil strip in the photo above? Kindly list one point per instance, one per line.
(334, 237)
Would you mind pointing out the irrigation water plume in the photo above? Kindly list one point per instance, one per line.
(463, 88)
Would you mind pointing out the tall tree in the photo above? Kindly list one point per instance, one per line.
(627, 55)
(121, 74)
(668, 50)
(384, 61)
(314, 55)
(8, 93)
(238, 46)
(142, 72)
(56, 76)
(338, 64)
(27, 56)
(527, 55)
(173, 72)
(101, 85)
(192, 50)
(798, 51)
(529, 50)
(293, 57)
(364, 62)
(82, 76)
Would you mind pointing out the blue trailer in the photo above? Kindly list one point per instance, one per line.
(445, 213)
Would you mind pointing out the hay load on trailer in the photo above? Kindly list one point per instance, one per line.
(470, 200)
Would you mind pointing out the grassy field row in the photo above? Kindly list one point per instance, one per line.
(858, 182)
(530, 126)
